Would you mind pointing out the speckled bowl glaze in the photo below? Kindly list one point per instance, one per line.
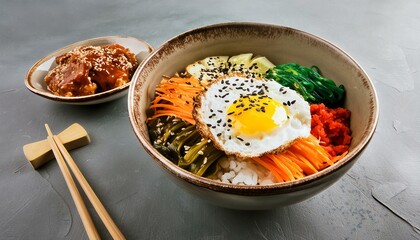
(35, 82)
(280, 45)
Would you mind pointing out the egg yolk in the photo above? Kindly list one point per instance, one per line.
(256, 114)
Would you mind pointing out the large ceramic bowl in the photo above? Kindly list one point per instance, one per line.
(35, 82)
(280, 45)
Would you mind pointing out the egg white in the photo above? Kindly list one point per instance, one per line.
(211, 115)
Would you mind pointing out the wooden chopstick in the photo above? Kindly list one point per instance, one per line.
(96, 203)
(75, 194)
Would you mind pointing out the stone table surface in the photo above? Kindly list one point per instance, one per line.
(379, 198)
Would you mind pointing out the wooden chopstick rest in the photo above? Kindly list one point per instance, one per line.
(39, 153)
(75, 194)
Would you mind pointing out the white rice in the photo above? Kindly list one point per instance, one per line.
(243, 172)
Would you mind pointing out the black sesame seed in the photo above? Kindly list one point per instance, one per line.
(240, 139)
(219, 121)
(219, 134)
(208, 125)
(247, 144)
(220, 111)
(229, 120)
(213, 127)
(226, 101)
(293, 102)
(230, 113)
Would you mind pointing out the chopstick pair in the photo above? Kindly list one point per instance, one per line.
(62, 156)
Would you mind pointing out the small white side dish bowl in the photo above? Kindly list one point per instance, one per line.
(35, 82)
(280, 45)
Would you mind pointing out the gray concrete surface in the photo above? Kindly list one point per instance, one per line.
(378, 199)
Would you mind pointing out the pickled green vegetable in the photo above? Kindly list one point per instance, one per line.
(309, 83)
(182, 144)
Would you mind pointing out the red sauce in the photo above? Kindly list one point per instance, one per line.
(91, 69)
(332, 128)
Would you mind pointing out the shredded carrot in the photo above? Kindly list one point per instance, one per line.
(270, 166)
(303, 158)
(175, 97)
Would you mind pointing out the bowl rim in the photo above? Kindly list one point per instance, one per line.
(79, 99)
(255, 190)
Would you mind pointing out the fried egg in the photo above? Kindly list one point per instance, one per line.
(249, 117)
